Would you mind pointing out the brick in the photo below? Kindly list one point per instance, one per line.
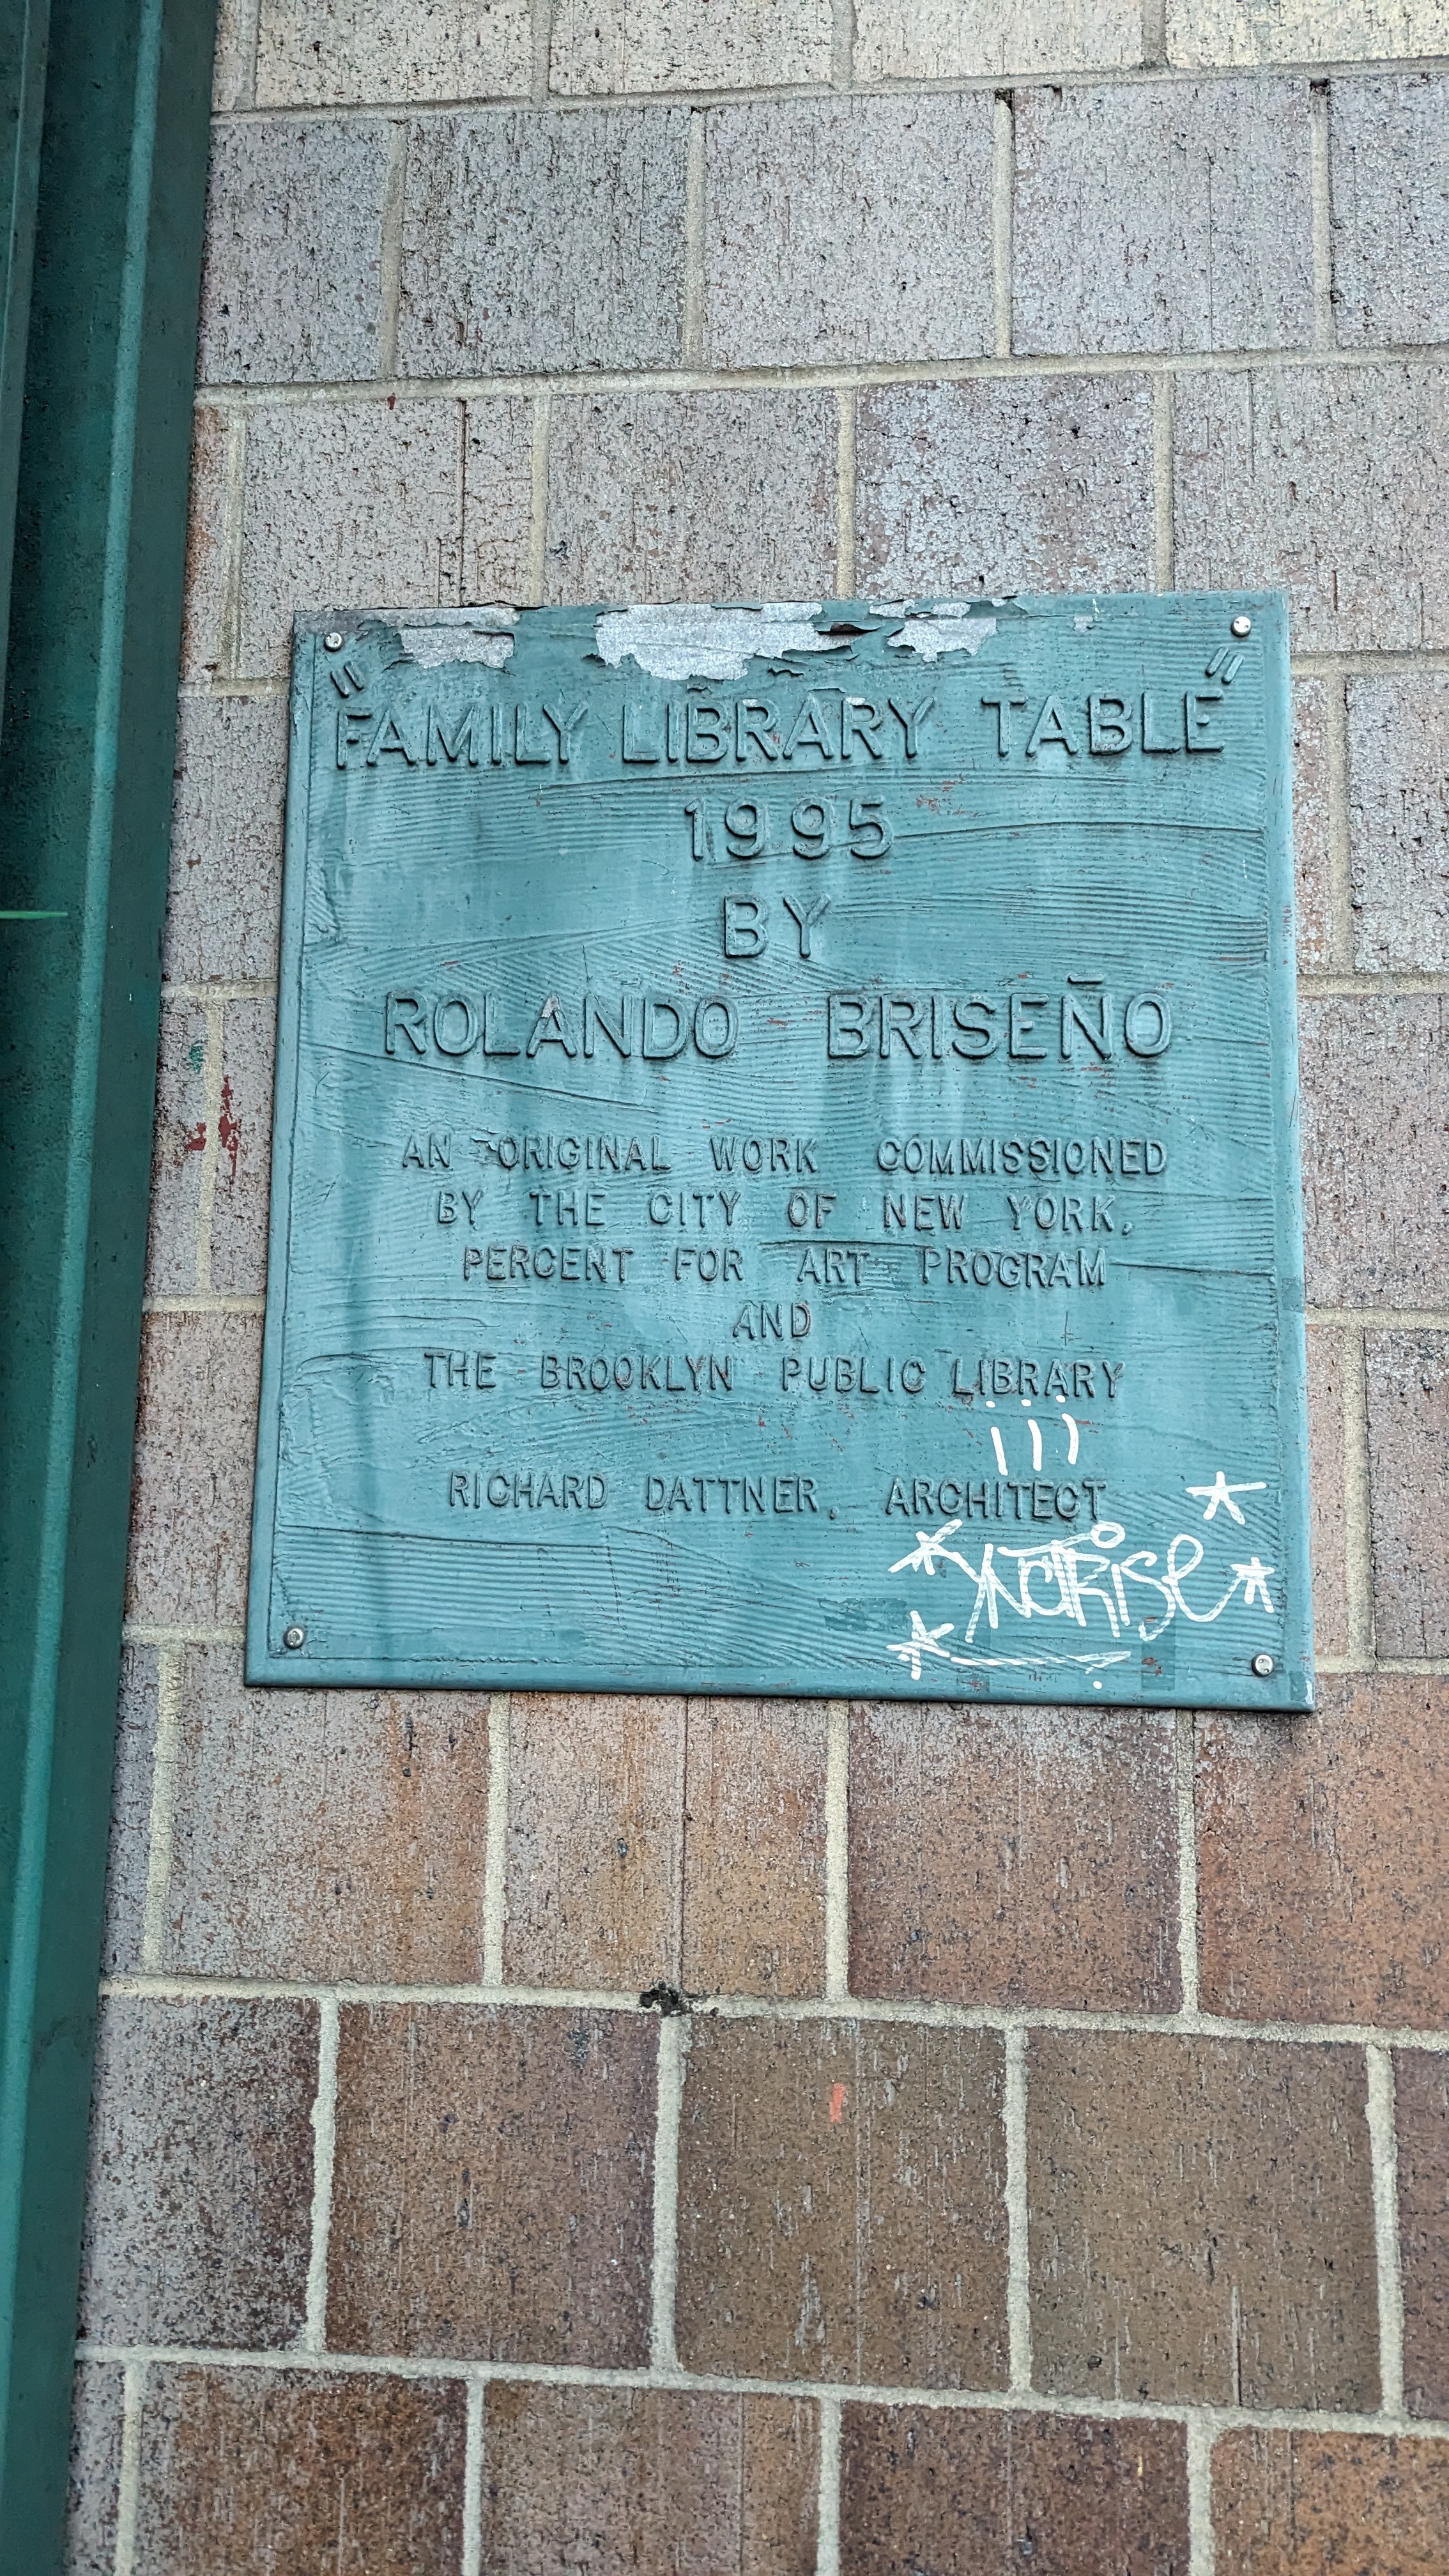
(1398, 817)
(1327, 1508)
(178, 1151)
(326, 1834)
(1310, 824)
(206, 547)
(243, 1150)
(648, 2478)
(360, 508)
(1347, 1925)
(1375, 1093)
(535, 241)
(692, 496)
(95, 2470)
(1390, 155)
(1014, 1856)
(192, 1487)
(1202, 2221)
(131, 1789)
(493, 2184)
(852, 229)
(1408, 1409)
(333, 53)
(291, 292)
(1320, 481)
(199, 2216)
(981, 2494)
(1210, 247)
(1303, 31)
(1297, 2504)
(802, 2255)
(295, 2470)
(994, 486)
(595, 1827)
(941, 40)
(223, 912)
(602, 47)
(1421, 2088)
(754, 1847)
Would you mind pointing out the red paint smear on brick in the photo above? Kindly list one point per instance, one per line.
(195, 1143)
(837, 2103)
(228, 1129)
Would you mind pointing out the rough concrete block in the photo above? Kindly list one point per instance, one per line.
(1374, 1079)
(692, 496)
(1390, 165)
(1209, 247)
(131, 1789)
(223, 911)
(1408, 1409)
(199, 2213)
(1043, 485)
(953, 40)
(1202, 2221)
(497, 499)
(1310, 824)
(1328, 1522)
(1324, 482)
(602, 47)
(1398, 813)
(325, 1834)
(178, 1151)
(537, 242)
(291, 290)
(356, 505)
(238, 1240)
(192, 1486)
(848, 229)
(206, 548)
(332, 53)
(1229, 32)
(93, 2485)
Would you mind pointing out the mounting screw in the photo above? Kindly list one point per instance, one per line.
(295, 1637)
(334, 641)
(1241, 626)
(1262, 1666)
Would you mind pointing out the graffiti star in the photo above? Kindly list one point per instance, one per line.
(922, 1558)
(1255, 1587)
(922, 1641)
(1220, 1491)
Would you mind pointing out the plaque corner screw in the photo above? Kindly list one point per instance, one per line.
(294, 1637)
(1241, 626)
(334, 641)
(1263, 1666)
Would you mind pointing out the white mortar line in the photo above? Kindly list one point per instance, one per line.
(495, 1849)
(128, 2483)
(1368, 986)
(983, 2401)
(1384, 2153)
(471, 2562)
(204, 1302)
(845, 573)
(542, 48)
(837, 1851)
(160, 1837)
(1201, 2549)
(1003, 176)
(1382, 1319)
(538, 498)
(692, 342)
(233, 501)
(1018, 2215)
(324, 2149)
(1321, 186)
(673, 2049)
(827, 2544)
(256, 988)
(804, 2008)
(394, 192)
(143, 1632)
(1184, 1747)
(1163, 534)
(1358, 1550)
(1154, 34)
(248, 37)
(1340, 866)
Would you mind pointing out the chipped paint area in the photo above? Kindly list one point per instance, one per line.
(699, 643)
(949, 630)
(435, 645)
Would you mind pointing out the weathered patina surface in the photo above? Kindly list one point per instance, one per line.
(786, 1166)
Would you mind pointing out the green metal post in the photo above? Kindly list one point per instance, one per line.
(84, 814)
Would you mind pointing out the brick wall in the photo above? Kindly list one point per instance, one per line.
(1053, 2166)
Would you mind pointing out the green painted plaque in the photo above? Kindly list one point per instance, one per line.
(785, 1171)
